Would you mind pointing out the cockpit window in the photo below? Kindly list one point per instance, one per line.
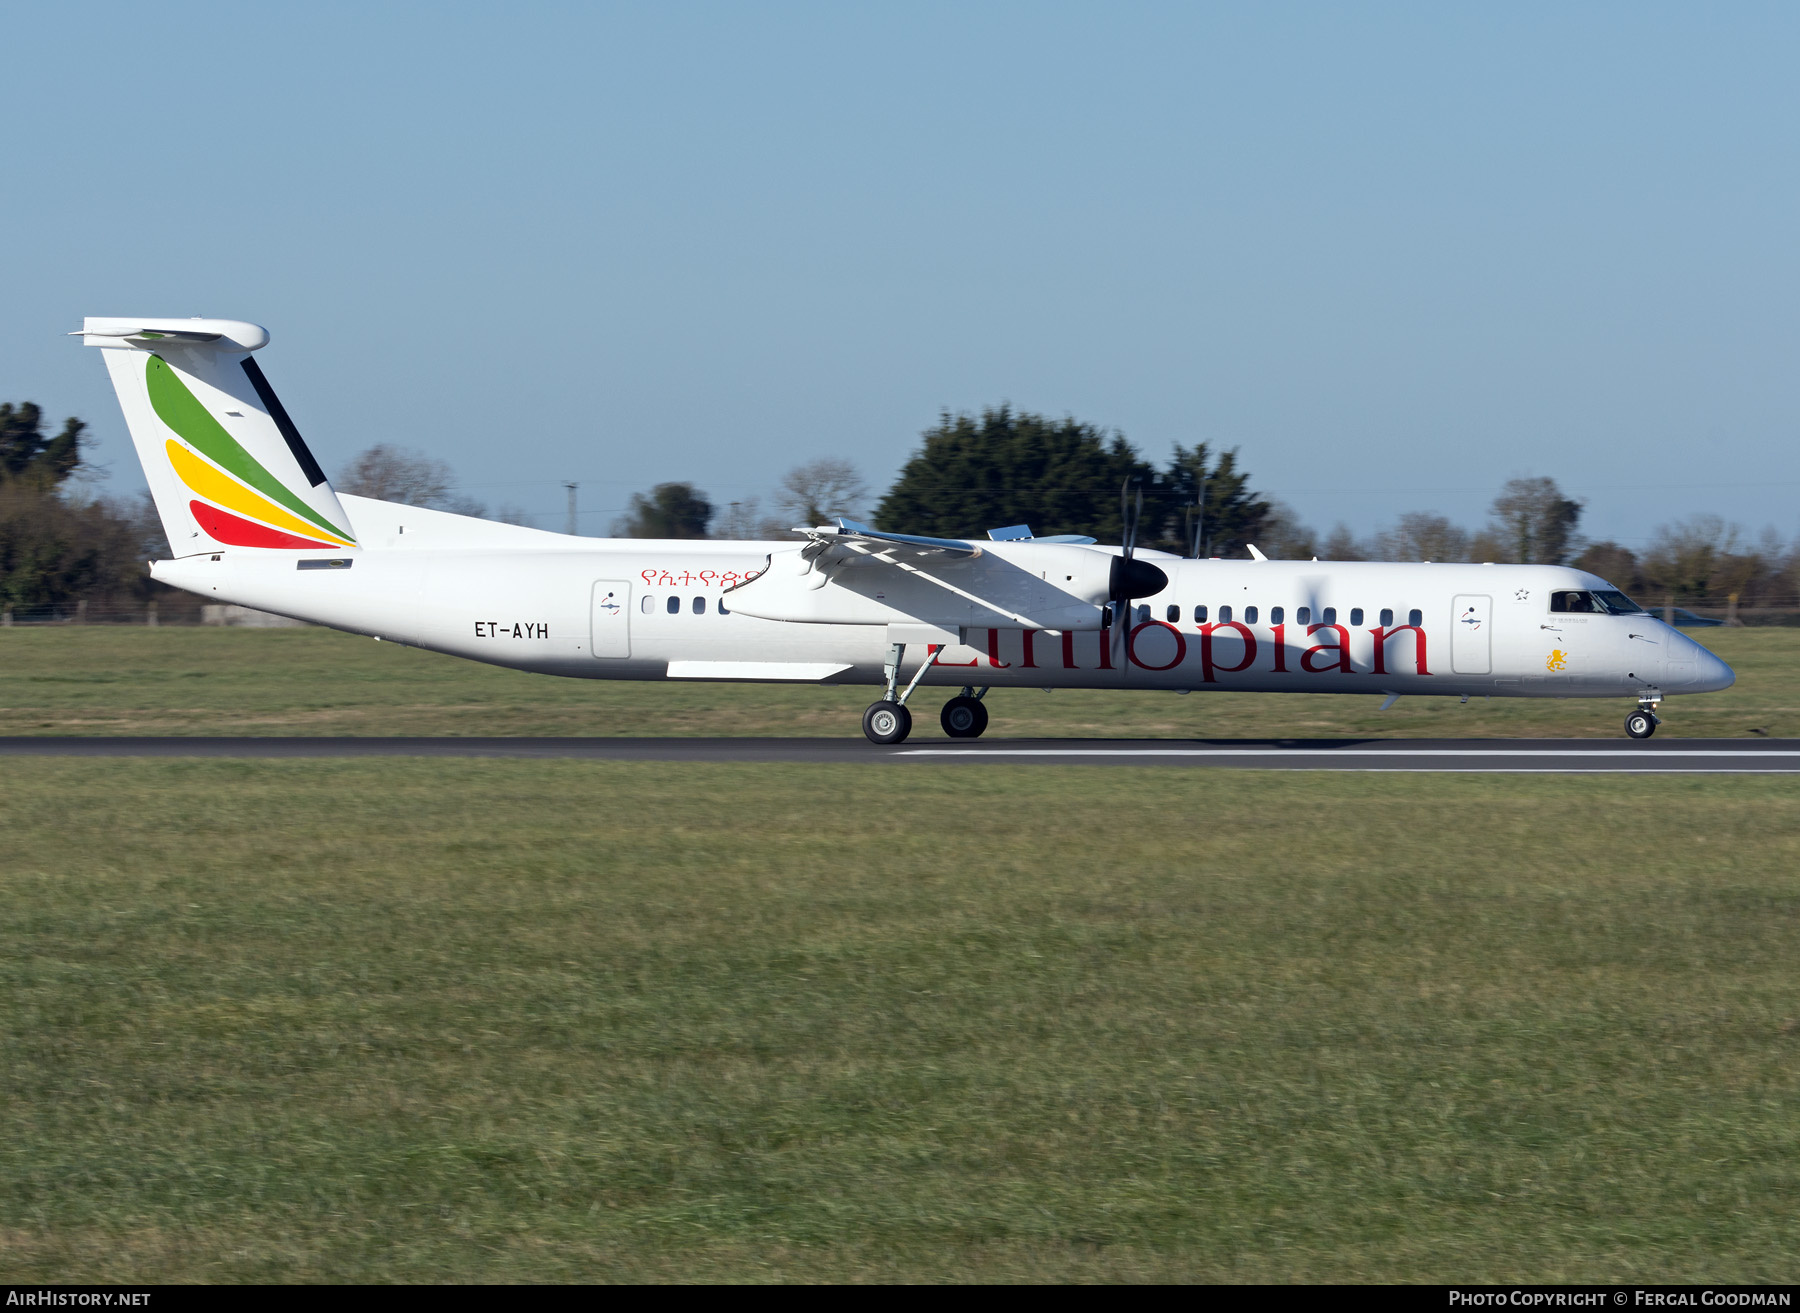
(1605, 601)
(1616, 603)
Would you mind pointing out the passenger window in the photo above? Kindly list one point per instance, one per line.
(1199, 615)
(1415, 617)
(1356, 615)
(1174, 614)
(648, 604)
(699, 606)
(723, 609)
(1387, 616)
(1328, 616)
(1303, 616)
(1249, 615)
(1275, 614)
(1224, 615)
(674, 604)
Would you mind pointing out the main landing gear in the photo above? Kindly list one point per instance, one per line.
(1642, 723)
(889, 720)
(963, 716)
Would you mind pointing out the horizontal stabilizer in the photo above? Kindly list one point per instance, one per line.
(230, 335)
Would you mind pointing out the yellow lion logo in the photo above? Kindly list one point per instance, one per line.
(1557, 660)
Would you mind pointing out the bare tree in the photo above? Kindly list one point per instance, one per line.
(1701, 558)
(743, 521)
(399, 474)
(820, 491)
(1282, 537)
(1341, 545)
(1422, 536)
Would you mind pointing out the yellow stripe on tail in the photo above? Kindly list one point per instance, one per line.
(234, 496)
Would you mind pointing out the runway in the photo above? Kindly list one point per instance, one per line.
(1491, 756)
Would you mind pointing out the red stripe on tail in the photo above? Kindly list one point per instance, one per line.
(239, 532)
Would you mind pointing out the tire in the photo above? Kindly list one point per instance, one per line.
(963, 718)
(1640, 724)
(887, 722)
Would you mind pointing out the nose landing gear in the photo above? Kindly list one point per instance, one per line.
(1642, 723)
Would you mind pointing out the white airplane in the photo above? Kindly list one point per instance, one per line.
(252, 519)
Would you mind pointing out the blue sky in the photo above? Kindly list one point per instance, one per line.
(1397, 253)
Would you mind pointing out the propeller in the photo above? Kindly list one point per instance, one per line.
(1130, 577)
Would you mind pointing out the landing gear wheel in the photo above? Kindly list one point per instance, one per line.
(1640, 724)
(963, 718)
(887, 722)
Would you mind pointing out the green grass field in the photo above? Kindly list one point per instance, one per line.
(99, 680)
(496, 1020)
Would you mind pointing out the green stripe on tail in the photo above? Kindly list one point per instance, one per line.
(183, 412)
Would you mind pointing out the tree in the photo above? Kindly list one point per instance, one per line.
(56, 549)
(974, 474)
(820, 491)
(1341, 545)
(1063, 476)
(1536, 522)
(1422, 536)
(1216, 502)
(1697, 560)
(743, 521)
(1283, 537)
(399, 474)
(1613, 563)
(669, 510)
(26, 454)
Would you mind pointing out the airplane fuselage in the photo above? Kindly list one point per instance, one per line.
(654, 610)
(251, 518)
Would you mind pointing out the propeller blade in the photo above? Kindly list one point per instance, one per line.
(1131, 514)
(1311, 585)
(1130, 578)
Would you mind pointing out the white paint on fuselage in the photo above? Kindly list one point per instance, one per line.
(525, 598)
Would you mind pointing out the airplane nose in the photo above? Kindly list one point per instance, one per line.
(1715, 674)
(1710, 673)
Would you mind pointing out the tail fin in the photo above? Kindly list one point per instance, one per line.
(225, 464)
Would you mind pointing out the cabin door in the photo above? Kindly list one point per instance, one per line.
(609, 626)
(1472, 635)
